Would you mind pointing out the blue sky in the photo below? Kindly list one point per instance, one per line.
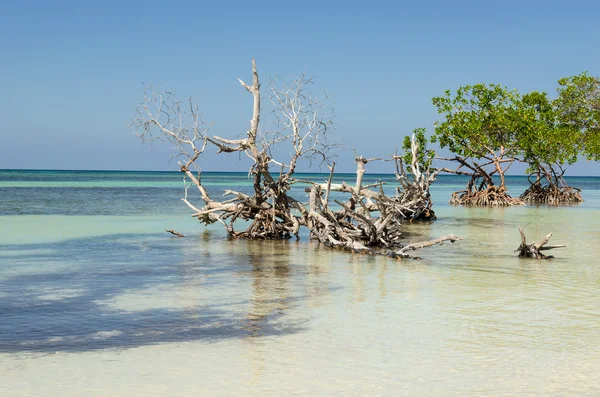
(72, 71)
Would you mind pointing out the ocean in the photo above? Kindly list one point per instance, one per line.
(96, 299)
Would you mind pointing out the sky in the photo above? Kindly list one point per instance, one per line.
(73, 72)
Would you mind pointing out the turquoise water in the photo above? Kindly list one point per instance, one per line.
(153, 193)
(96, 299)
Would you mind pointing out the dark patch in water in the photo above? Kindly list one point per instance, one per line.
(102, 268)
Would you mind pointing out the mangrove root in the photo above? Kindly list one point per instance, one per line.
(533, 250)
(551, 194)
(495, 196)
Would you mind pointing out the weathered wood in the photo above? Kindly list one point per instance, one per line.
(173, 232)
(415, 246)
(331, 171)
(413, 194)
(533, 250)
(364, 220)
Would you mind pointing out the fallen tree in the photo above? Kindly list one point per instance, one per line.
(369, 220)
(366, 221)
(534, 250)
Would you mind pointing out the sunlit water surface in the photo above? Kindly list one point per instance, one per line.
(97, 300)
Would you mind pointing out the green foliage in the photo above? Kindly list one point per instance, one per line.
(544, 142)
(425, 156)
(493, 123)
(578, 109)
(480, 120)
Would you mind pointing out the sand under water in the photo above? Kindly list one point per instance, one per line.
(97, 300)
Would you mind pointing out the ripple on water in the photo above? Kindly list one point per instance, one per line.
(127, 310)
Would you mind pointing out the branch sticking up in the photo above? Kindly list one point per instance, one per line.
(366, 220)
(533, 250)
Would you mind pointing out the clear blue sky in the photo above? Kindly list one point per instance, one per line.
(71, 72)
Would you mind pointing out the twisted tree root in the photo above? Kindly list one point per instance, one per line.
(495, 196)
(533, 250)
(551, 194)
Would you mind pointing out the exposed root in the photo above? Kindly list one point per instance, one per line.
(365, 220)
(414, 179)
(551, 194)
(426, 215)
(495, 196)
(414, 202)
(533, 250)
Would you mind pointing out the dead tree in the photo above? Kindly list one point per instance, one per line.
(268, 210)
(533, 250)
(415, 180)
(367, 221)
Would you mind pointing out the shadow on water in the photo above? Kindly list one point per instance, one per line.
(64, 308)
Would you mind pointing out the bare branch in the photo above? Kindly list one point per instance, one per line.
(367, 220)
(533, 250)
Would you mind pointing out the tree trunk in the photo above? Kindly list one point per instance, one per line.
(367, 221)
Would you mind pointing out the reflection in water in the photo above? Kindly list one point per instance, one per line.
(192, 276)
(319, 265)
(270, 269)
(210, 316)
(382, 277)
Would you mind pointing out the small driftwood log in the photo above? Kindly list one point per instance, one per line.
(175, 233)
(402, 253)
(533, 250)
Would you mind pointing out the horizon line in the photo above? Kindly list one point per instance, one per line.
(241, 172)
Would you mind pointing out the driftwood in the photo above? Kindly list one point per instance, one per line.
(365, 220)
(369, 220)
(413, 192)
(415, 246)
(533, 250)
(173, 232)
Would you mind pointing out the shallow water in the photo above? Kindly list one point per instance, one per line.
(96, 300)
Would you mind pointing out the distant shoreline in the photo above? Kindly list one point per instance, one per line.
(238, 172)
